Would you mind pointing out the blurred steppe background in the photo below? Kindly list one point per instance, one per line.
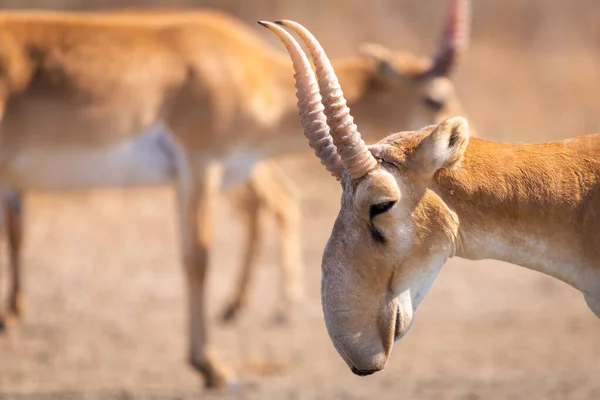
(106, 314)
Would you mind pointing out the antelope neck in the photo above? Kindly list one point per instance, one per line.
(531, 205)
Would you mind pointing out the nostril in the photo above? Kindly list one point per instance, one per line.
(397, 325)
(359, 372)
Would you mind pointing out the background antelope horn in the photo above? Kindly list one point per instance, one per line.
(355, 155)
(455, 37)
(310, 107)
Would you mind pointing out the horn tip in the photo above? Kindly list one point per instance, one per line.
(263, 23)
(282, 22)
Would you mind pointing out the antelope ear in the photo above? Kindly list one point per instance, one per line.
(375, 51)
(381, 57)
(444, 147)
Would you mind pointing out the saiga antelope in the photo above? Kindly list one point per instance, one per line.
(206, 77)
(417, 198)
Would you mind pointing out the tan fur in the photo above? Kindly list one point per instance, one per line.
(534, 205)
(82, 81)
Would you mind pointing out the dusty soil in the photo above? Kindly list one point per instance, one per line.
(105, 316)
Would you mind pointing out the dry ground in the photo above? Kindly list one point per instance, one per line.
(106, 316)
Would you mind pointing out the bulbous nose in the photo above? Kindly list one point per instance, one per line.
(363, 365)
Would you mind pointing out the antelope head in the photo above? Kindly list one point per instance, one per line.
(389, 241)
(393, 233)
(420, 87)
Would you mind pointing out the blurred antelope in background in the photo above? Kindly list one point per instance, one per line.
(134, 99)
(417, 198)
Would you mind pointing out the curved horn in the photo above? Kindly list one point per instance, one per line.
(455, 37)
(355, 155)
(310, 108)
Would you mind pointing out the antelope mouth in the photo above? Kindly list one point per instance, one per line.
(360, 372)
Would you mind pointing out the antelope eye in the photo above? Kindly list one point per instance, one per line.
(434, 104)
(380, 208)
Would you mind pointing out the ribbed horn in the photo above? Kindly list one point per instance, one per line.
(355, 155)
(455, 37)
(310, 107)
